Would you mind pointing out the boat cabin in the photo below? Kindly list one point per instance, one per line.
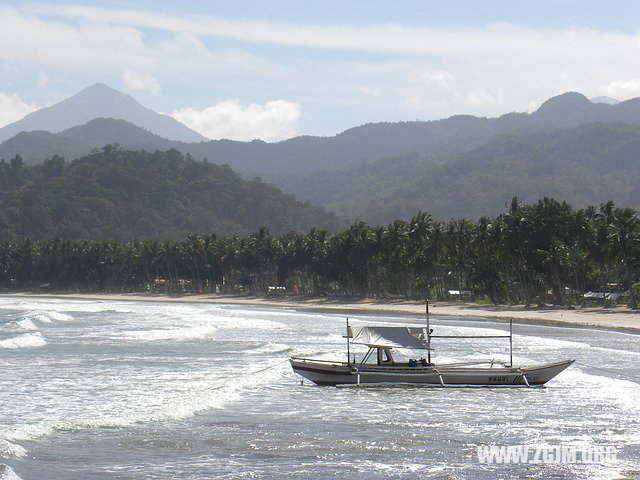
(384, 356)
(381, 340)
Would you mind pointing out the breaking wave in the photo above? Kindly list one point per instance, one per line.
(272, 348)
(24, 324)
(60, 317)
(41, 317)
(7, 473)
(8, 449)
(48, 317)
(176, 334)
(210, 395)
(27, 340)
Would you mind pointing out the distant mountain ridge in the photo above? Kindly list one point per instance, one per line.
(78, 141)
(462, 166)
(583, 165)
(299, 156)
(99, 100)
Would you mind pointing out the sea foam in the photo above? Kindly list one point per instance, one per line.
(8, 449)
(175, 334)
(44, 316)
(41, 317)
(27, 340)
(7, 473)
(25, 324)
(605, 387)
(209, 395)
(271, 348)
(60, 317)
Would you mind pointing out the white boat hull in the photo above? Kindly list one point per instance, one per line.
(336, 373)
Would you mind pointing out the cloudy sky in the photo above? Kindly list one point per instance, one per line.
(275, 69)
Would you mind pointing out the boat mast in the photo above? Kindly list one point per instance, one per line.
(428, 333)
(511, 341)
(348, 352)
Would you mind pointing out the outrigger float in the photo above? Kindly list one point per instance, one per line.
(378, 366)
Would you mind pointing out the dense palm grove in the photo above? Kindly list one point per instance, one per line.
(547, 251)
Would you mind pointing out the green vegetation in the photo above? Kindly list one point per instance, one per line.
(584, 165)
(546, 251)
(36, 146)
(461, 167)
(116, 194)
(634, 296)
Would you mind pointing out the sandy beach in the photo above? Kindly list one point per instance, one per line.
(618, 318)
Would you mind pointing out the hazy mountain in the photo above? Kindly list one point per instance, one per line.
(605, 99)
(122, 195)
(583, 165)
(289, 159)
(96, 101)
(295, 156)
(75, 142)
(568, 109)
(302, 155)
(371, 171)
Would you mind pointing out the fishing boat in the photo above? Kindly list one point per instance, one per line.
(379, 367)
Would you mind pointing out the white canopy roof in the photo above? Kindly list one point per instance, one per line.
(398, 337)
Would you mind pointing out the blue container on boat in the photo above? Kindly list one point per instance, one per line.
(413, 363)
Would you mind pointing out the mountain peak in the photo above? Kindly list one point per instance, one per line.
(564, 101)
(97, 86)
(100, 100)
(105, 101)
(605, 99)
(99, 89)
(567, 109)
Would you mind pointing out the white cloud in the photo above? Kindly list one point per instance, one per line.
(141, 81)
(104, 47)
(533, 105)
(28, 38)
(12, 108)
(275, 120)
(493, 42)
(441, 79)
(621, 88)
(370, 91)
(424, 71)
(42, 79)
(418, 102)
(478, 98)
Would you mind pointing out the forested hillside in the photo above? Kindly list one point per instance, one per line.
(462, 166)
(122, 194)
(582, 165)
(34, 147)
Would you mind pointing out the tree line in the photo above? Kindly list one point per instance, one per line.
(546, 251)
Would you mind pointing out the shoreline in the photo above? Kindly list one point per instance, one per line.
(615, 318)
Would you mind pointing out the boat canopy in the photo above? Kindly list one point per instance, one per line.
(392, 337)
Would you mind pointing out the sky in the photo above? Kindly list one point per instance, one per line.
(277, 69)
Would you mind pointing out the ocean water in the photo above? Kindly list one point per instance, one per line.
(134, 390)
